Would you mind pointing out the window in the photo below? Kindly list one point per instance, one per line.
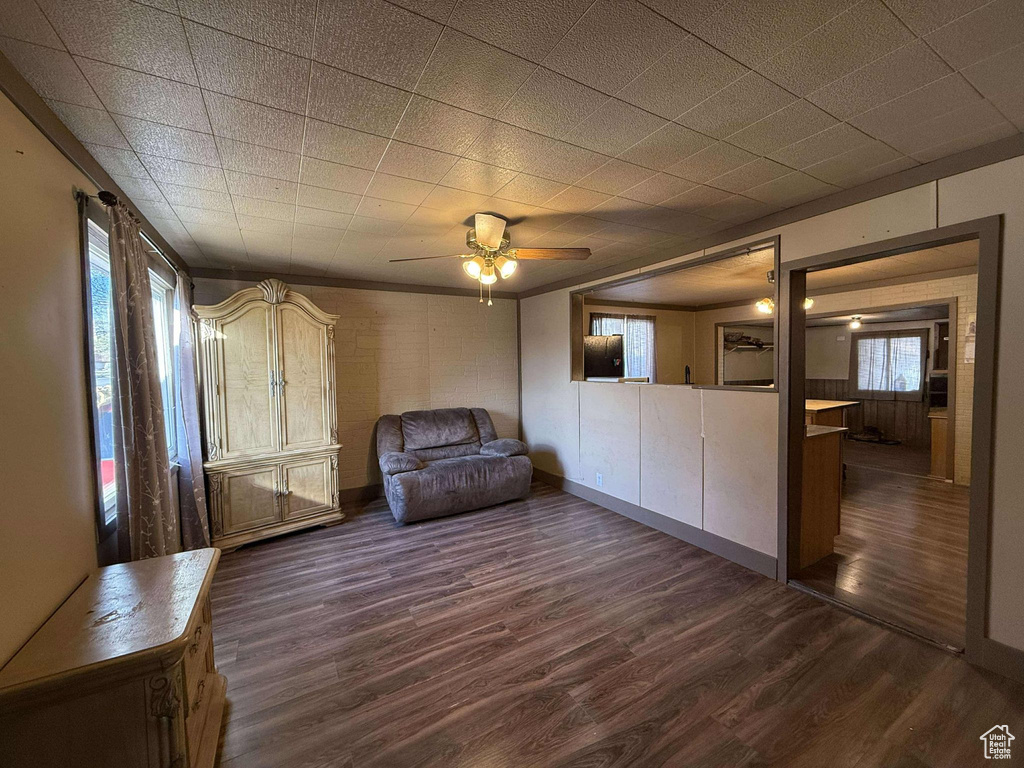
(165, 319)
(889, 365)
(637, 333)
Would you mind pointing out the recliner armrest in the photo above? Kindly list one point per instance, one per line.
(394, 462)
(506, 446)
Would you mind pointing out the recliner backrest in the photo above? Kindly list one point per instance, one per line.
(436, 434)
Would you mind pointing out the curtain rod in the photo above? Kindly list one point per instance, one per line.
(109, 199)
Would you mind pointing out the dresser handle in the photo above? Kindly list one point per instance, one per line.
(194, 648)
(199, 694)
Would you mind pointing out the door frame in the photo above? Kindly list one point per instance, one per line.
(979, 649)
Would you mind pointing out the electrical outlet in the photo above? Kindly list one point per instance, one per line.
(600, 480)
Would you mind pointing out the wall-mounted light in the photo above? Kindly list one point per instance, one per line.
(855, 322)
(765, 306)
(808, 302)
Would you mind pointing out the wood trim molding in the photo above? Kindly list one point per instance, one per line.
(716, 545)
(988, 154)
(22, 95)
(589, 301)
(340, 282)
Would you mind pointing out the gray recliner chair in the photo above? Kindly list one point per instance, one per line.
(446, 461)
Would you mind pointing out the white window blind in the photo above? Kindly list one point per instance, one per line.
(889, 364)
(637, 333)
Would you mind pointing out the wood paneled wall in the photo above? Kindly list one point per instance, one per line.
(898, 419)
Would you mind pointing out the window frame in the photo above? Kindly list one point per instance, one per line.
(88, 211)
(914, 395)
(158, 282)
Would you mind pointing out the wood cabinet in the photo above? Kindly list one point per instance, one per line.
(271, 426)
(122, 674)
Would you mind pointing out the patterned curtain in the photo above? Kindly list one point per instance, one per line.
(637, 341)
(195, 526)
(146, 524)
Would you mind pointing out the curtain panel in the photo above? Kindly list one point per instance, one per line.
(888, 365)
(147, 526)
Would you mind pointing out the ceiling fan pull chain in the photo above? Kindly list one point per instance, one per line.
(481, 292)
(489, 302)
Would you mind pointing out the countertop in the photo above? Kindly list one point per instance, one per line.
(820, 430)
(826, 405)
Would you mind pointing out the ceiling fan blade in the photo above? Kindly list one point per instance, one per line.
(424, 258)
(577, 254)
(489, 230)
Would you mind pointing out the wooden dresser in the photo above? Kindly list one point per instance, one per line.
(121, 675)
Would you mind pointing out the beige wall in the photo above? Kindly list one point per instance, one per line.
(551, 420)
(399, 351)
(673, 338)
(706, 336)
(47, 528)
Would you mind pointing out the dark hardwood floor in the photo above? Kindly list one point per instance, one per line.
(901, 553)
(904, 459)
(551, 632)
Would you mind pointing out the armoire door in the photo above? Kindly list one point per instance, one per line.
(246, 398)
(302, 352)
(307, 486)
(248, 498)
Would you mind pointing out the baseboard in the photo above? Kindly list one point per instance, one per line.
(361, 494)
(1000, 658)
(764, 564)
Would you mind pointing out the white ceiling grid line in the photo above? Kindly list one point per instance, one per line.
(778, 105)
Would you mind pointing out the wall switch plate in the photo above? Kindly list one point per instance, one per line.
(600, 480)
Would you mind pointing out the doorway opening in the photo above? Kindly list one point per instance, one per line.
(880, 438)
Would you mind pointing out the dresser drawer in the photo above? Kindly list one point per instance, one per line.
(198, 658)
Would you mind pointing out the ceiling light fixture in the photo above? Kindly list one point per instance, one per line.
(855, 322)
(765, 306)
(808, 302)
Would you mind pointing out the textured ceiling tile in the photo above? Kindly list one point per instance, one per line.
(164, 169)
(710, 162)
(277, 247)
(528, 28)
(398, 189)
(284, 24)
(343, 145)
(696, 198)
(361, 225)
(53, 74)
(967, 140)
(118, 162)
(666, 146)
(196, 198)
(792, 189)
(270, 226)
(26, 22)
(682, 78)
(550, 103)
(320, 218)
(248, 70)
(853, 39)
(614, 42)
(414, 162)
(89, 125)
(156, 208)
(388, 210)
(375, 39)
(147, 97)
(837, 169)
(948, 128)
(686, 13)
(167, 141)
(623, 212)
(980, 33)
(472, 75)
(121, 32)
(530, 190)
(327, 199)
(737, 208)
(797, 121)
(433, 124)
(752, 30)
(864, 174)
(448, 199)
(343, 178)
(438, 10)
(615, 176)
(999, 79)
(821, 146)
(192, 215)
(923, 16)
(264, 209)
(932, 100)
(355, 102)
(583, 226)
(474, 176)
(254, 123)
(614, 127)
(658, 188)
(576, 200)
(568, 163)
(736, 106)
(320, 234)
(749, 175)
(261, 161)
(139, 189)
(893, 75)
(261, 187)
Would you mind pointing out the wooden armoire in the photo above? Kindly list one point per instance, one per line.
(267, 357)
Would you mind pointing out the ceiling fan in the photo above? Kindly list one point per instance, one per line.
(492, 256)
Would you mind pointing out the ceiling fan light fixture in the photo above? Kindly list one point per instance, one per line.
(473, 267)
(488, 275)
(506, 266)
(489, 230)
